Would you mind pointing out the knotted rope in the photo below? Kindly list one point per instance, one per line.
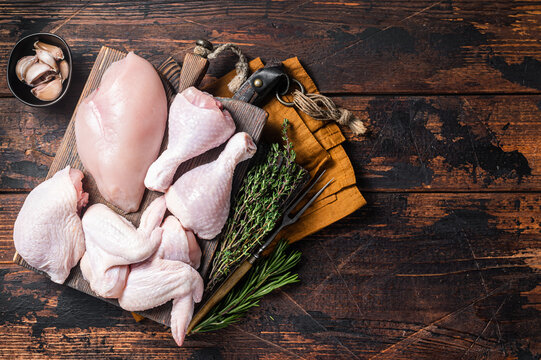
(317, 106)
(241, 66)
(322, 108)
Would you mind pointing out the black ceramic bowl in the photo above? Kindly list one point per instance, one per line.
(25, 47)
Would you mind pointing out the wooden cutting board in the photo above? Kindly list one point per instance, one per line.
(66, 155)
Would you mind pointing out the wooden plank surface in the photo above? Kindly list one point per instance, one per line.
(247, 118)
(443, 262)
(394, 46)
(436, 143)
(415, 273)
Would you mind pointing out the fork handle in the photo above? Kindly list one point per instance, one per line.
(262, 248)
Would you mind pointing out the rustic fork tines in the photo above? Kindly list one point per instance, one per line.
(288, 217)
(246, 265)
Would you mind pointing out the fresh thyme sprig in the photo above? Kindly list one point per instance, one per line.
(270, 274)
(256, 208)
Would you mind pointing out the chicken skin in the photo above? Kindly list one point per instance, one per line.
(200, 198)
(48, 233)
(197, 123)
(179, 244)
(174, 265)
(113, 243)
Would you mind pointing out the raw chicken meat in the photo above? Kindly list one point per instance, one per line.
(119, 129)
(48, 233)
(113, 243)
(178, 280)
(200, 198)
(179, 244)
(197, 123)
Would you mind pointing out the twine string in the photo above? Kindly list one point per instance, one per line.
(317, 106)
(241, 66)
(322, 108)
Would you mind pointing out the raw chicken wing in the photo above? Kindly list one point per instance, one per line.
(113, 243)
(179, 244)
(119, 130)
(178, 281)
(155, 282)
(48, 233)
(197, 123)
(200, 198)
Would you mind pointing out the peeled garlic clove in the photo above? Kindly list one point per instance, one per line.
(64, 70)
(46, 58)
(48, 91)
(55, 51)
(23, 64)
(36, 71)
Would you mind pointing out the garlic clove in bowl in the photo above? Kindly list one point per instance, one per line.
(48, 76)
(46, 58)
(64, 69)
(23, 65)
(55, 51)
(48, 91)
(35, 72)
(27, 46)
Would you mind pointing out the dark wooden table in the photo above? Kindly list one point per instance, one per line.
(443, 263)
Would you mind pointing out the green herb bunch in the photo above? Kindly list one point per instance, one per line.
(270, 274)
(257, 208)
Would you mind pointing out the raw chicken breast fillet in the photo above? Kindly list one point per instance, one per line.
(119, 129)
(200, 198)
(48, 233)
(178, 281)
(113, 243)
(197, 123)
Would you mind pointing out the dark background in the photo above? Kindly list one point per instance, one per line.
(443, 263)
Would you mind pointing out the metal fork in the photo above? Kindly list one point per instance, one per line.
(246, 265)
(288, 219)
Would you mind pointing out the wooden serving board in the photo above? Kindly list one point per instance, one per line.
(66, 155)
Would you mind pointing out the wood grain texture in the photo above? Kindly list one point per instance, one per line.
(437, 143)
(432, 275)
(395, 46)
(248, 118)
(193, 70)
(67, 156)
(443, 262)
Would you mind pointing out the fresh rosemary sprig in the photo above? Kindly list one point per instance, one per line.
(257, 208)
(270, 274)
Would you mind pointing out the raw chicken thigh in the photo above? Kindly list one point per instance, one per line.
(177, 280)
(197, 123)
(48, 233)
(119, 129)
(200, 198)
(113, 243)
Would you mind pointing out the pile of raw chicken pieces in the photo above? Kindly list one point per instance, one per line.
(119, 130)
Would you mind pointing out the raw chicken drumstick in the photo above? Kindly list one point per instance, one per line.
(197, 123)
(178, 281)
(119, 129)
(113, 243)
(48, 233)
(200, 198)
